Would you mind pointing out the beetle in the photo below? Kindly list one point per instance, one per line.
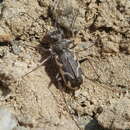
(70, 71)
(69, 67)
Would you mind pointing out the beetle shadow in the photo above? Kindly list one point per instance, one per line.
(93, 125)
(4, 89)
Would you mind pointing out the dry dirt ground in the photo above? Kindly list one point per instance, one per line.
(35, 100)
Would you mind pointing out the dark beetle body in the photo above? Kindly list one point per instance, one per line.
(68, 65)
(70, 70)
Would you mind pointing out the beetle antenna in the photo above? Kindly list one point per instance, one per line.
(74, 20)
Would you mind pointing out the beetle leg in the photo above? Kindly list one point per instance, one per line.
(84, 59)
(73, 45)
(48, 58)
(58, 77)
(57, 62)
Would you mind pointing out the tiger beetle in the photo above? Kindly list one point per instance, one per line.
(69, 68)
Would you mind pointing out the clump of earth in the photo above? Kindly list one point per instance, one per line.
(33, 101)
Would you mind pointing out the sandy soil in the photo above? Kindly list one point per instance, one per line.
(35, 100)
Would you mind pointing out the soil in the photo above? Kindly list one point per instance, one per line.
(101, 31)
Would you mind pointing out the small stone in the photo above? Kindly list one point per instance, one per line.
(7, 120)
(116, 116)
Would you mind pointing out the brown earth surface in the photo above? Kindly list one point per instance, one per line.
(101, 31)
